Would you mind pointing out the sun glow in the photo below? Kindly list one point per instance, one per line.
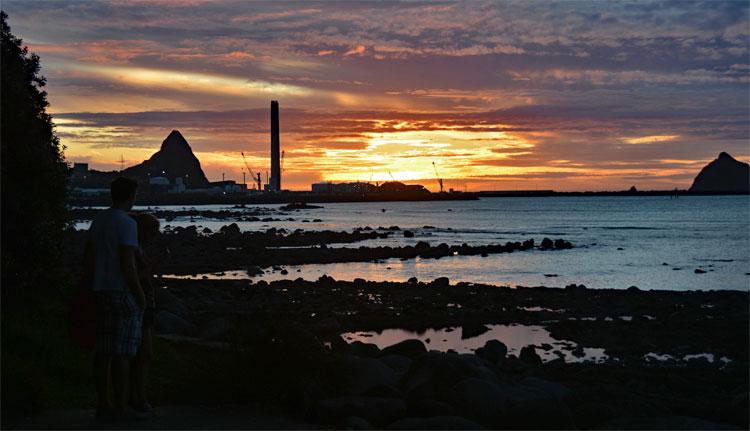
(409, 155)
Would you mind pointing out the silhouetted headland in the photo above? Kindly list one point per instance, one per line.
(173, 176)
(725, 174)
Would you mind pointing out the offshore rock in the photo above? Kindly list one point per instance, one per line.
(725, 174)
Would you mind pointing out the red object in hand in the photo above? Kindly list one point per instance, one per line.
(82, 320)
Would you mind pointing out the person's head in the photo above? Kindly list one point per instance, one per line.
(123, 192)
(148, 226)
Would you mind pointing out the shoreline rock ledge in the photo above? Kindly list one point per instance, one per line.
(725, 174)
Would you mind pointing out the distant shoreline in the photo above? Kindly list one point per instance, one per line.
(288, 197)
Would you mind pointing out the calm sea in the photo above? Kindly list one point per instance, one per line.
(649, 242)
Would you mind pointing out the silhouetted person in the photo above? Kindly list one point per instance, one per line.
(111, 262)
(148, 229)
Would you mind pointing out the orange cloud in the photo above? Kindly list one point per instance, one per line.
(358, 50)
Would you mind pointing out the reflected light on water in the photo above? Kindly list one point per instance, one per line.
(515, 337)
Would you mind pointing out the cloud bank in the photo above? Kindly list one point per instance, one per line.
(562, 95)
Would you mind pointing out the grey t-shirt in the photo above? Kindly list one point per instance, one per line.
(110, 230)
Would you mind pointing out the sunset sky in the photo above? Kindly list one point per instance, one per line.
(503, 95)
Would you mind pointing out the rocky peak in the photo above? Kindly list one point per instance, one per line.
(174, 159)
(725, 174)
(175, 141)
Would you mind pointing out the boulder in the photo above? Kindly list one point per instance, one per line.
(441, 282)
(593, 414)
(356, 423)
(170, 323)
(373, 409)
(429, 407)
(529, 355)
(409, 348)
(576, 288)
(399, 364)
(219, 329)
(168, 302)
(480, 399)
(422, 245)
(472, 329)
(430, 375)
(359, 375)
(494, 351)
(547, 243)
(665, 423)
(231, 229)
(435, 423)
(328, 325)
(539, 414)
(383, 391)
(408, 234)
(365, 350)
(254, 270)
(545, 389)
(472, 366)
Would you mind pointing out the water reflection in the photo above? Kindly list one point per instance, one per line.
(514, 336)
(513, 269)
(648, 242)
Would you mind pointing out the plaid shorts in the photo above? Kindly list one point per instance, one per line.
(119, 320)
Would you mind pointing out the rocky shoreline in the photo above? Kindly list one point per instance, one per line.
(672, 359)
(193, 251)
(360, 385)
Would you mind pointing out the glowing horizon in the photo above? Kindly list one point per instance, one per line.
(497, 96)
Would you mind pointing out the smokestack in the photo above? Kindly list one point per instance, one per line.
(275, 183)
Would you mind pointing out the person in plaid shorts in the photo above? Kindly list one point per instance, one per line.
(120, 301)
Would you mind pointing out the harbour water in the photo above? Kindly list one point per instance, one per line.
(648, 242)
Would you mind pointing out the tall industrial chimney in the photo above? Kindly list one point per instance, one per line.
(275, 181)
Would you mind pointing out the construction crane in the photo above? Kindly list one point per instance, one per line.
(252, 174)
(389, 173)
(437, 175)
(377, 183)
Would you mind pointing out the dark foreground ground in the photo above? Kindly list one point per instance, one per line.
(278, 347)
(259, 355)
(291, 331)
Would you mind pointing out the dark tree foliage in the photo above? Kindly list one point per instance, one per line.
(34, 173)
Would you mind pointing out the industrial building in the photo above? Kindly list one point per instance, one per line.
(343, 188)
(274, 184)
